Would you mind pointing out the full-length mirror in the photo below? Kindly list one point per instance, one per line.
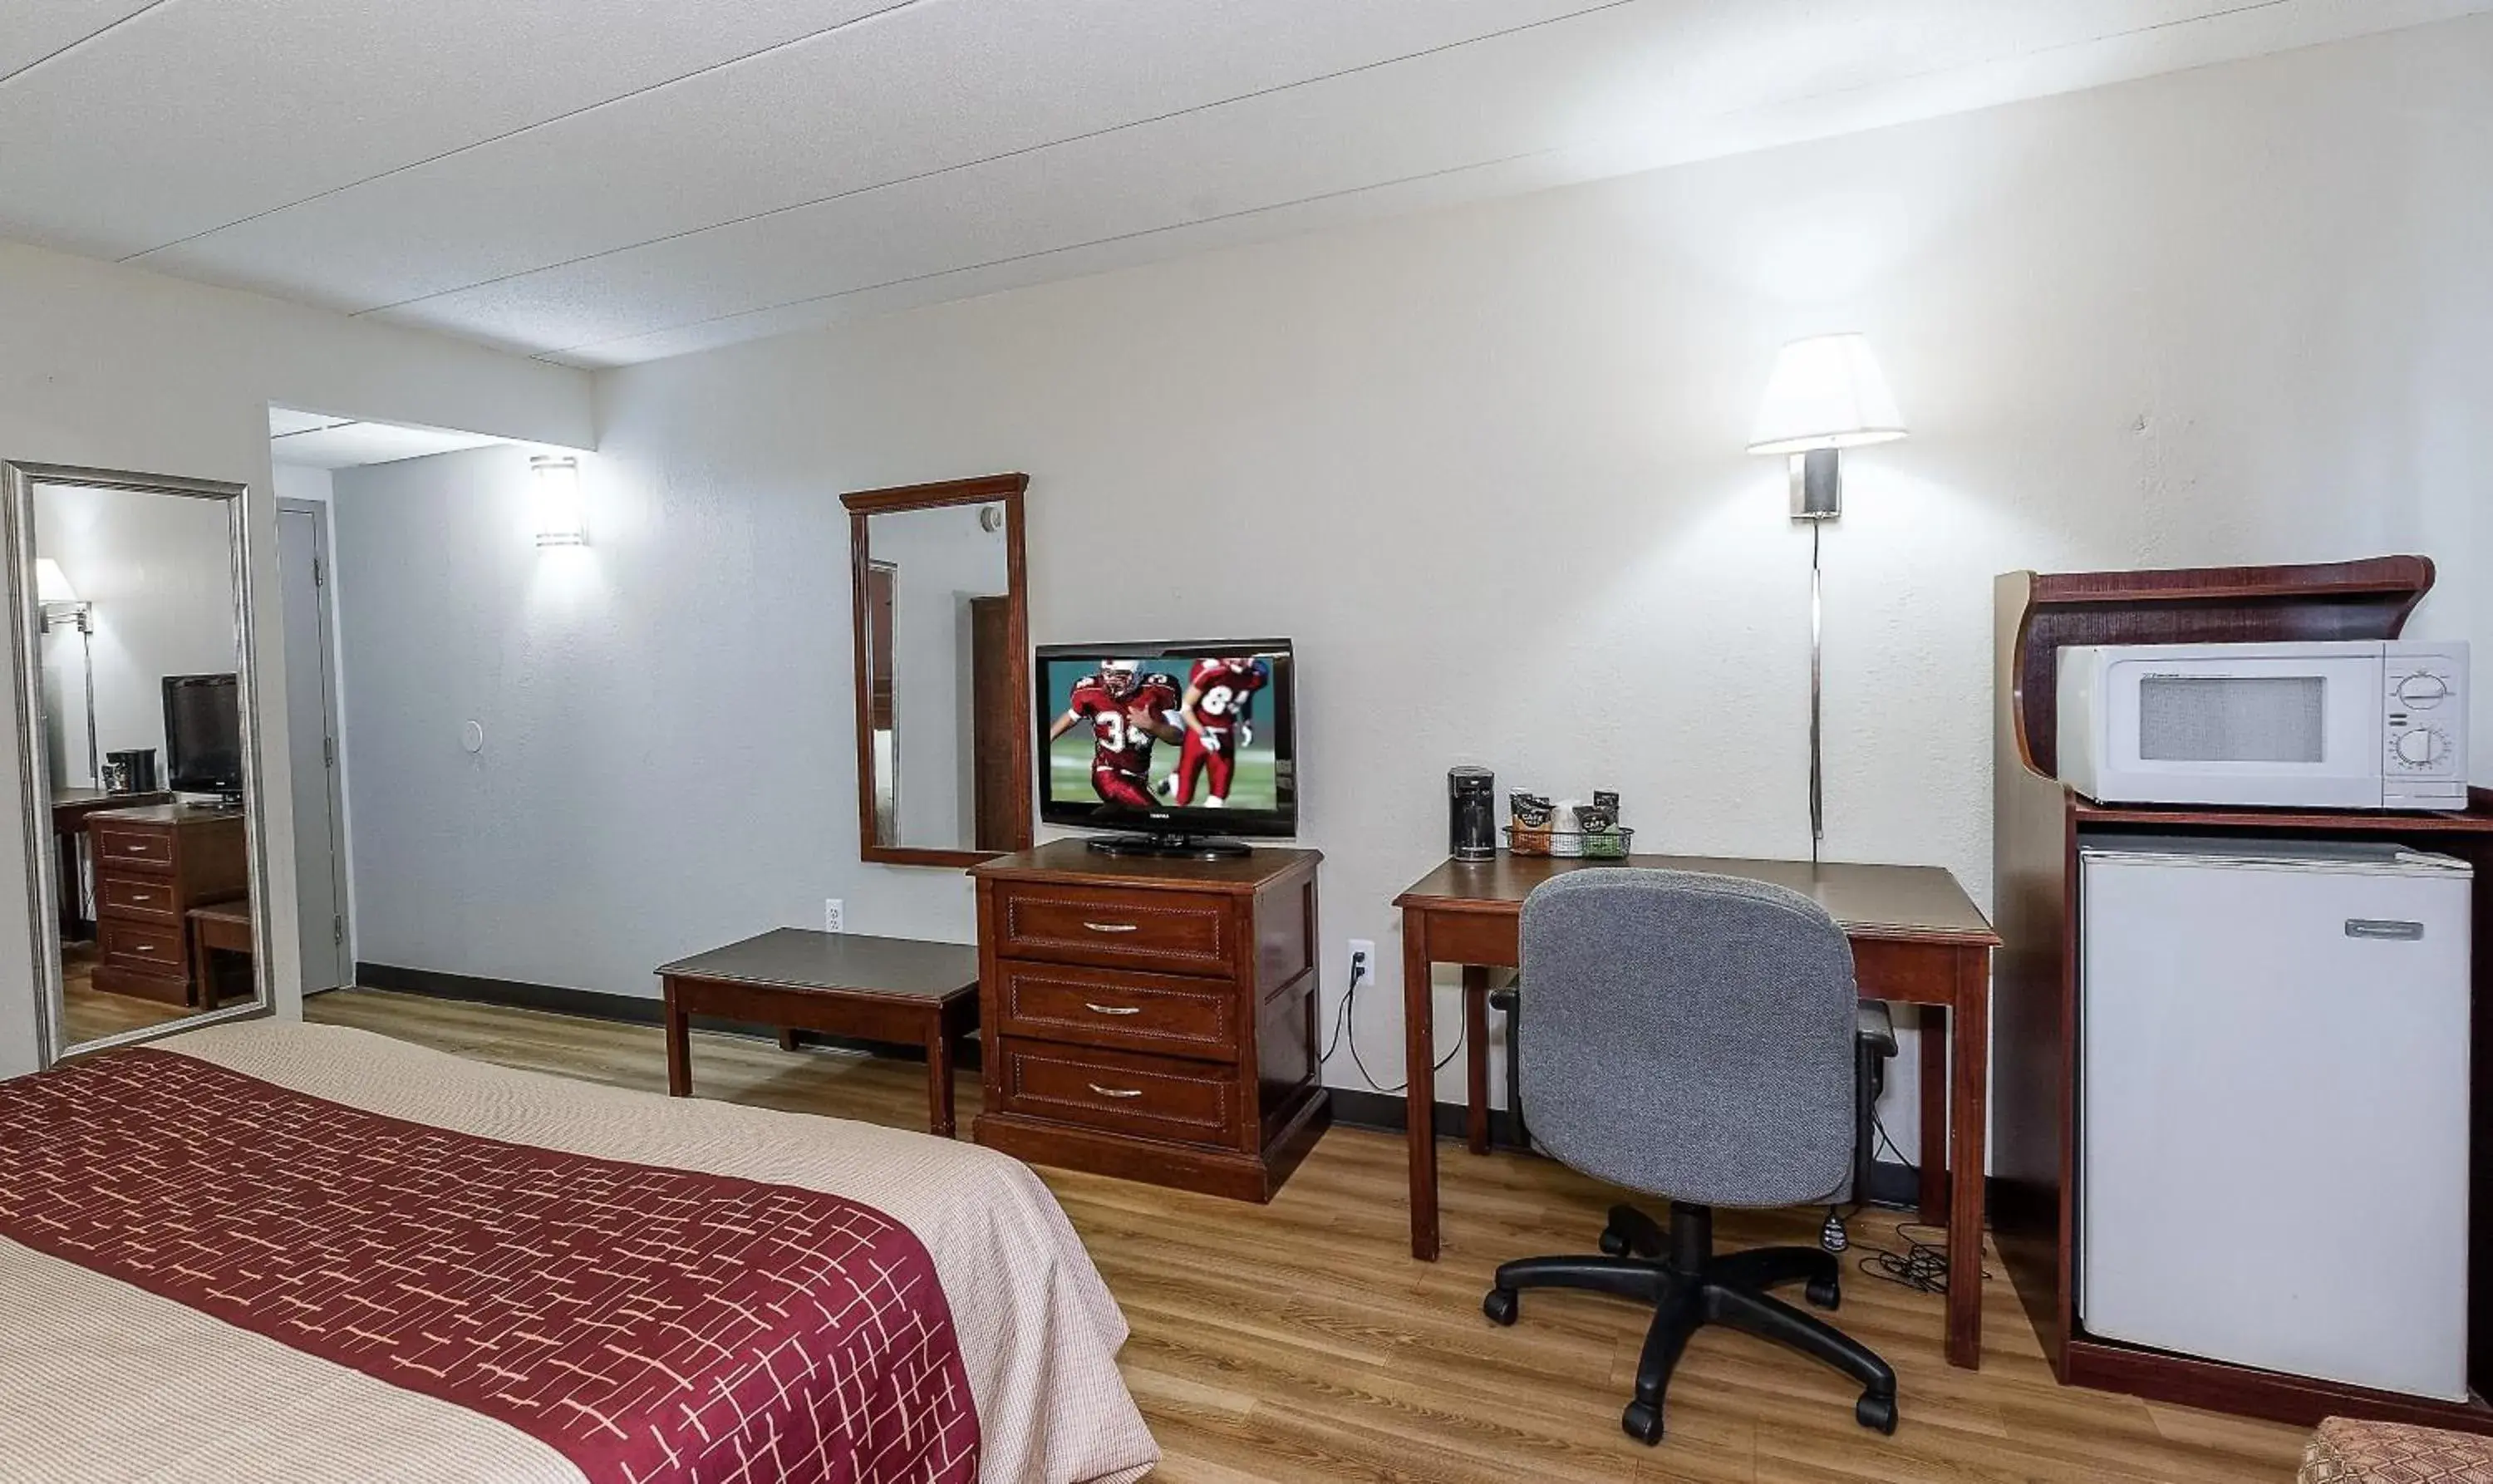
(942, 670)
(132, 627)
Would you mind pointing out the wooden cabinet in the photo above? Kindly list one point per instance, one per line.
(1152, 1019)
(2038, 828)
(153, 864)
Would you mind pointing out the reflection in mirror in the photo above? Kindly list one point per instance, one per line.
(133, 636)
(943, 704)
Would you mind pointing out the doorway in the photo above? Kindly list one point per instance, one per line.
(312, 729)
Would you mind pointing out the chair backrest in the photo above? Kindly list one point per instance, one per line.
(1689, 1037)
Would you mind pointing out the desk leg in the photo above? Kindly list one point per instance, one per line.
(680, 1047)
(1420, 1093)
(1933, 1037)
(1476, 1058)
(1971, 1051)
(938, 1076)
(73, 890)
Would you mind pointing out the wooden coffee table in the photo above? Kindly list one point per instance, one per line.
(836, 984)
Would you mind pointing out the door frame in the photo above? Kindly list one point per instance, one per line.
(324, 583)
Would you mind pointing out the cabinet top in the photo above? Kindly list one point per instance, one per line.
(1074, 860)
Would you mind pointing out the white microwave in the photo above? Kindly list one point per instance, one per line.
(2326, 724)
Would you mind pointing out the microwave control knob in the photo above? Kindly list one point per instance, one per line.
(2423, 690)
(2419, 747)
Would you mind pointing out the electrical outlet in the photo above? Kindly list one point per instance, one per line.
(1363, 963)
(835, 917)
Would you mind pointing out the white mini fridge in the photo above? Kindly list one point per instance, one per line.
(2272, 1086)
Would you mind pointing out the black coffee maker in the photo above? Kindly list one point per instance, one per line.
(132, 770)
(1471, 814)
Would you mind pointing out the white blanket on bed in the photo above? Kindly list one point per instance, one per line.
(100, 1380)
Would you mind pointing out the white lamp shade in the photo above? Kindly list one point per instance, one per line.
(51, 583)
(1826, 391)
(560, 518)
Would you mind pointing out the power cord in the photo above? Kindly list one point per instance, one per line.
(1923, 1264)
(1345, 1032)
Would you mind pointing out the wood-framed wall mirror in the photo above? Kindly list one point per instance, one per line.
(138, 757)
(941, 632)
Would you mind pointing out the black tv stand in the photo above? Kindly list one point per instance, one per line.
(1202, 848)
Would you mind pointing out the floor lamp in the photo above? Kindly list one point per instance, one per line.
(1826, 395)
(60, 603)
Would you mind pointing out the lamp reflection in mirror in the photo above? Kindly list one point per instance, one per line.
(60, 603)
(1826, 395)
(561, 516)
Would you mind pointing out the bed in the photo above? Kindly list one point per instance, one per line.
(270, 1251)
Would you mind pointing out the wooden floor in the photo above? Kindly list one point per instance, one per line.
(1299, 1342)
(89, 1014)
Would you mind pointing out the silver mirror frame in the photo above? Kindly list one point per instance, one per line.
(18, 482)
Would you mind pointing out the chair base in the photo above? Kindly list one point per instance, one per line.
(1688, 1286)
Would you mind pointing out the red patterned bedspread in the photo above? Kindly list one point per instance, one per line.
(652, 1325)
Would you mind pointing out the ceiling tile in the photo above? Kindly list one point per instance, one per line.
(200, 112)
(933, 87)
(36, 31)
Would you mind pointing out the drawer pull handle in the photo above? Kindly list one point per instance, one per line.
(1117, 1092)
(143, 896)
(1112, 1009)
(142, 948)
(1113, 927)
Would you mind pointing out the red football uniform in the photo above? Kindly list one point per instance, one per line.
(1120, 760)
(1224, 690)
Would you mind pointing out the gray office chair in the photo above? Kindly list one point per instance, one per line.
(1692, 1037)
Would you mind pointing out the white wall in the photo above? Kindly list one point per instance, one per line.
(159, 569)
(1486, 467)
(116, 369)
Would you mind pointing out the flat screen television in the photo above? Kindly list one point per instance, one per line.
(202, 735)
(1177, 743)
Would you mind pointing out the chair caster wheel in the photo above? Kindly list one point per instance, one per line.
(1499, 1306)
(1642, 1423)
(1826, 1292)
(1876, 1412)
(1614, 1246)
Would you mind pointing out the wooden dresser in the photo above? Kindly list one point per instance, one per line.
(1152, 1019)
(153, 864)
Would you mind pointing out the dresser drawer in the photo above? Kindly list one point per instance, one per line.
(138, 897)
(1112, 1007)
(1182, 933)
(132, 849)
(140, 945)
(1153, 1097)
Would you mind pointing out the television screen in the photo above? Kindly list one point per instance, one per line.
(1183, 738)
(203, 734)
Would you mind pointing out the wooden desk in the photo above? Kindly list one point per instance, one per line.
(839, 984)
(1918, 939)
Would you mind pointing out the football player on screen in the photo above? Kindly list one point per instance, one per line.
(1218, 694)
(1128, 711)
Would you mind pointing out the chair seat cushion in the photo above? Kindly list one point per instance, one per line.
(2345, 1451)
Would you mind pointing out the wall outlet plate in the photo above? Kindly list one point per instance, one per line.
(1363, 963)
(835, 916)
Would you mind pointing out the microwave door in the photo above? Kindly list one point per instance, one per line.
(2296, 732)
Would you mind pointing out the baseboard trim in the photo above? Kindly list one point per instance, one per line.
(1893, 1185)
(601, 1006)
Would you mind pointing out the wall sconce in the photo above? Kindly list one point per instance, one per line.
(563, 519)
(1826, 395)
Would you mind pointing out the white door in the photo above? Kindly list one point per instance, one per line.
(310, 722)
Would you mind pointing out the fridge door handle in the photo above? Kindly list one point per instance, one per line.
(2383, 929)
